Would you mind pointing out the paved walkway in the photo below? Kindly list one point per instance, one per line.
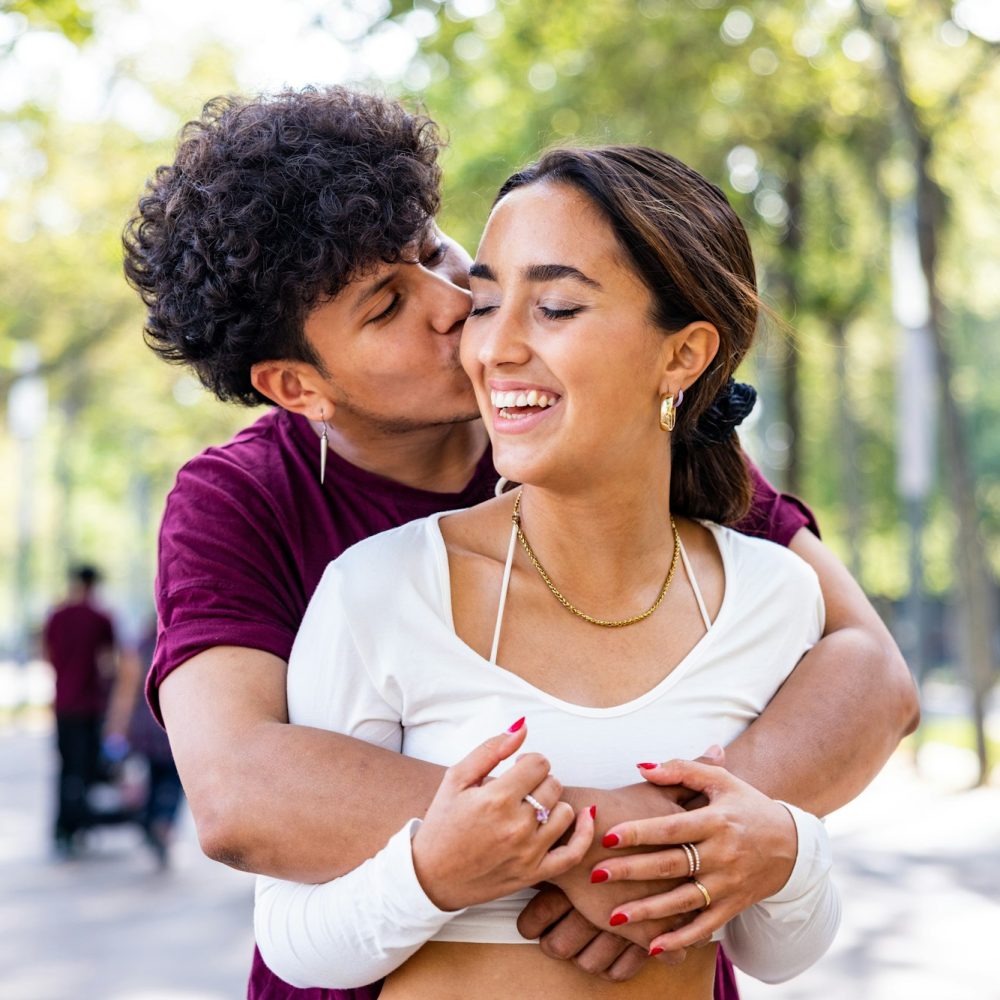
(918, 865)
(109, 926)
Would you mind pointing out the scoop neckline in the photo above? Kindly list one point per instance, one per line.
(682, 667)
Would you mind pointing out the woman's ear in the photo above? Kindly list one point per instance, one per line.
(295, 386)
(687, 353)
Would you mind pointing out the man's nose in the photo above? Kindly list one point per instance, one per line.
(449, 303)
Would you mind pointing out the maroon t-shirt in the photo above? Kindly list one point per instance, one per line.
(76, 634)
(247, 533)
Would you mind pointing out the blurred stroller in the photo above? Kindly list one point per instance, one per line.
(146, 776)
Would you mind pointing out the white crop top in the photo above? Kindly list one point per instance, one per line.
(378, 658)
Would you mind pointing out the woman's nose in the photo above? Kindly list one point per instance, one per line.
(503, 339)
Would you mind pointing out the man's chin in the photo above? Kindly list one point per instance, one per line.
(404, 425)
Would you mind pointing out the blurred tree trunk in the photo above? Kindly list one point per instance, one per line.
(976, 611)
(846, 434)
(787, 283)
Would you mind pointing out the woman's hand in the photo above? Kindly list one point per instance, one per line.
(481, 839)
(742, 848)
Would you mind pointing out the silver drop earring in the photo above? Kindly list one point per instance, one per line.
(324, 445)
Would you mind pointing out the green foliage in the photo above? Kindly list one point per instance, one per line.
(67, 17)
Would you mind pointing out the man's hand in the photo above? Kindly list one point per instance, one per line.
(567, 935)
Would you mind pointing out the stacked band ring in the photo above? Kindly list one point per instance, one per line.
(694, 859)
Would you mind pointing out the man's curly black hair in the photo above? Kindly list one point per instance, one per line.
(272, 205)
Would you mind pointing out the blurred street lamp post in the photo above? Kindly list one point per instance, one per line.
(27, 408)
(916, 401)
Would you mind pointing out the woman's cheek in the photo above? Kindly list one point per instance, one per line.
(468, 353)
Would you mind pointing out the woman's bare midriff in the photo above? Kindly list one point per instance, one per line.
(449, 971)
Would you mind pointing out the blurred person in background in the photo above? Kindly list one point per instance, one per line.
(79, 642)
(290, 256)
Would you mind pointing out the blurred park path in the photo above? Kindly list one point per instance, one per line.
(109, 926)
(918, 866)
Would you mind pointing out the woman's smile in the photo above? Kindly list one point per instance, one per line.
(520, 406)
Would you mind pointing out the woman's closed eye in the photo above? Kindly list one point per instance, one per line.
(559, 311)
(481, 308)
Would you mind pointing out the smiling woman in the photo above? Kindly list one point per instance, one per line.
(604, 600)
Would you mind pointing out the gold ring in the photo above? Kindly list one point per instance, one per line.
(697, 859)
(704, 893)
(688, 850)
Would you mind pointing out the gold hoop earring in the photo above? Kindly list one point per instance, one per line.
(668, 413)
(324, 445)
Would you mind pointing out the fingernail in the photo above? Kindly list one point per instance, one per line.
(593, 812)
(611, 840)
(517, 725)
(599, 875)
(647, 766)
(713, 751)
(617, 919)
(655, 950)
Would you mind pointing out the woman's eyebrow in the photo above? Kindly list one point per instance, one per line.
(483, 271)
(553, 272)
(538, 273)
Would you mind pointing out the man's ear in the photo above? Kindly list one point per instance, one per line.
(687, 353)
(295, 386)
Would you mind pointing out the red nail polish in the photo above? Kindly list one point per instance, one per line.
(593, 812)
(599, 875)
(655, 950)
(647, 766)
(517, 725)
(617, 919)
(611, 840)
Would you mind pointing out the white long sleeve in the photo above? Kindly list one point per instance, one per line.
(783, 935)
(352, 931)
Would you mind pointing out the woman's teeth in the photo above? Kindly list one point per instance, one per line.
(505, 400)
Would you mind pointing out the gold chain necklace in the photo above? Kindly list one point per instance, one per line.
(604, 623)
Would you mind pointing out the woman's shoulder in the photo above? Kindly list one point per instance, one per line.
(387, 565)
(479, 531)
(762, 564)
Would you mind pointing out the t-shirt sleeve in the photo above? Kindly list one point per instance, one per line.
(773, 515)
(225, 576)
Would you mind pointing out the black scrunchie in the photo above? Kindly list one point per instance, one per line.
(726, 413)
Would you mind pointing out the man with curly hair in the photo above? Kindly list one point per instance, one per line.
(289, 256)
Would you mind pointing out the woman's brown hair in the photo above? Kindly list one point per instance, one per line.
(693, 254)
